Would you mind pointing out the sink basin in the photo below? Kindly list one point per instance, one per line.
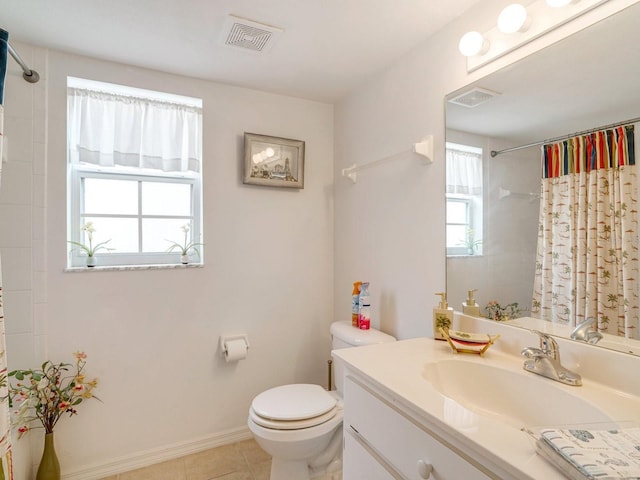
(518, 398)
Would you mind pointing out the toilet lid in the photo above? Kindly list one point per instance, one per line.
(292, 424)
(293, 402)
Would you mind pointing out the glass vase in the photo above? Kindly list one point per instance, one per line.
(49, 468)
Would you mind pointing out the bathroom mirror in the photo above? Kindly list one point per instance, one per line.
(585, 81)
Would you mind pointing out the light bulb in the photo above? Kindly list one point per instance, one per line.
(473, 43)
(513, 19)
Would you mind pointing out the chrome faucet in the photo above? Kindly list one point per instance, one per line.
(584, 333)
(545, 361)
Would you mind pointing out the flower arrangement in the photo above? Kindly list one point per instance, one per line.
(186, 246)
(470, 241)
(48, 393)
(90, 250)
(499, 313)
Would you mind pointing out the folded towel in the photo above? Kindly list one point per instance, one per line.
(594, 454)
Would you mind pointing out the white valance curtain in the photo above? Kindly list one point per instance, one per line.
(464, 172)
(109, 129)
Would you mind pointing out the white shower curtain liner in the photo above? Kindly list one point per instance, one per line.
(6, 467)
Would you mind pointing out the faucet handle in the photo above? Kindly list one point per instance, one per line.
(548, 345)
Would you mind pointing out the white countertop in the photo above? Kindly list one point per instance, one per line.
(397, 370)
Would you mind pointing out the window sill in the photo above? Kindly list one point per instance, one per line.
(113, 268)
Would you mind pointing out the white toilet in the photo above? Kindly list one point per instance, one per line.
(300, 425)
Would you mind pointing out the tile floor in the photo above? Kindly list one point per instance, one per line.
(238, 461)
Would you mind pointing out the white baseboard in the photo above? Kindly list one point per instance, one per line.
(157, 455)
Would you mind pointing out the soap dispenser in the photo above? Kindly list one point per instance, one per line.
(470, 307)
(442, 317)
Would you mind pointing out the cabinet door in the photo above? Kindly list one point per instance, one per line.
(404, 445)
(358, 464)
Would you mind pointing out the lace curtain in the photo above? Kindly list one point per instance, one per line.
(109, 129)
(464, 172)
(587, 254)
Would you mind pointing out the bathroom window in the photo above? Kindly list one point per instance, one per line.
(464, 199)
(134, 174)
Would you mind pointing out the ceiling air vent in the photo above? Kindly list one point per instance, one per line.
(248, 35)
(474, 97)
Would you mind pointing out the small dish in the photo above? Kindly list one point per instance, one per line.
(466, 342)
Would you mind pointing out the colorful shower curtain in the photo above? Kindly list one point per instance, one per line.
(6, 468)
(587, 255)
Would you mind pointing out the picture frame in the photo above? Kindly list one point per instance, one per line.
(273, 161)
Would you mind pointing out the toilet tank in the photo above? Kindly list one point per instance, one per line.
(345, 335)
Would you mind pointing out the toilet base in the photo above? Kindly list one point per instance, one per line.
(289, 470)
(292, 470)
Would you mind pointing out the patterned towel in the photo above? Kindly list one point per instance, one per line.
(597, 454)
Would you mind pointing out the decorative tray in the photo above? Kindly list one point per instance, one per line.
(465, 342)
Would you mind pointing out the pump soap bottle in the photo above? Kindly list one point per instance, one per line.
(470, 307)
(442, 317)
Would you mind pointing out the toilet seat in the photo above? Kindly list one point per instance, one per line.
(292, 407)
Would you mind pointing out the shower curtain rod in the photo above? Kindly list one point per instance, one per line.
(28, 74)
(495, 153)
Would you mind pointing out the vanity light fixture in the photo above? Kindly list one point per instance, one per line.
(513, 18)
(538, 18)
(473, 43)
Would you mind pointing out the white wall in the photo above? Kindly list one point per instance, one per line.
(152, 335)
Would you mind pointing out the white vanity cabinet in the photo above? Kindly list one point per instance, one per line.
(382, 442)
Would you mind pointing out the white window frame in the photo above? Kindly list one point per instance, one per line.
(474, 215)
(461, 249)
(77, 174)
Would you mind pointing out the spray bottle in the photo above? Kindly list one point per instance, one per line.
(364, 317)
(355, 304)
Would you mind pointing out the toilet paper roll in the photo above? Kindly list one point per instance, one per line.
(235, 350)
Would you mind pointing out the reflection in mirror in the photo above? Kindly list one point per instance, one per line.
(584, 82)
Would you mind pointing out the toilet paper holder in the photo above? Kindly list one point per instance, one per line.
(227, 338)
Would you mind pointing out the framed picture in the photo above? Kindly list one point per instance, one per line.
(273, 161)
